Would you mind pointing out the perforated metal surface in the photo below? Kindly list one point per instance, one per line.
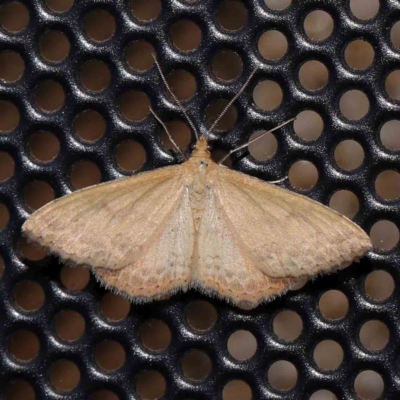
(123, 382)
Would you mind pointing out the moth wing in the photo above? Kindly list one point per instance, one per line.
(164, 267)
(286, 234)
(119, 224)
(221, 264)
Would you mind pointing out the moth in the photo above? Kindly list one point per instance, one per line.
(196, 225)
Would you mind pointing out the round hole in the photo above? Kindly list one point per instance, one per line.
(4, 216)
(1, 266)
(303, 175)
(278, 4)
(395, 34)
(201, 315)
(236, 390)
(180, 132)
(354, 105)
(323, 395)
(374, 335)
(74, 279)
(246, 306)
(182, 84)
(64, 375)
(49, 96)
(95, 75)
(299, 283)
(7, 167)
(150, 385)
(282, 375)
(155, 335)
(14, 16)
(313, 75)
(90, 125)
(110, 355)
(387, 185)
(186, 35)
(389, 135)
(59, 5)
(134, 105)
(114, 307)
(19, 390)
(139, 55)
(37, 194)
(84, 173)
(328, 355)
(242, 345)
(267, 95)
(318, 25)
(359, 54)
(130, 155)
(70, 325)
(369, 385)
(364, 9)
(384, 235)
(44, 146)
(9, 116)
(217, 155)
(32, 251)
(345, 202)
(272, 45)
(333, 305)
(104, 395)
(29, 296)
(227, 121)
(24, 345)
(287, 325)
(100, 25)
(232, 15)
(265, 148)
(379, 285)
(227, 65)
(146, 10)
(54, 46)
(392, 85)
(308, 125)
(196, 365)
(349, 155)
(12, 66)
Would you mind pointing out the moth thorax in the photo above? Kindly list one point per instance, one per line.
(199, 179)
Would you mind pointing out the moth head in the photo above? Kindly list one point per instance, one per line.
(202, 148)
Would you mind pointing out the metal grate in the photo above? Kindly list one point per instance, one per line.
(195, 358)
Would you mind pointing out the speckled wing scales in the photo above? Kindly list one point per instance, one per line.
(282, 233)
(221, 263)
(124, 227)
(164, 267)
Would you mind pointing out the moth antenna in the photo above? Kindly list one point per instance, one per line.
(255, 139)
(232, 101)
(167, 131)
(178, 103)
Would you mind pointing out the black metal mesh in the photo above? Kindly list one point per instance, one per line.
(125, 380)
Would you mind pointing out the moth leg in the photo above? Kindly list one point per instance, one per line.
(278, 181)
(253, 140)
